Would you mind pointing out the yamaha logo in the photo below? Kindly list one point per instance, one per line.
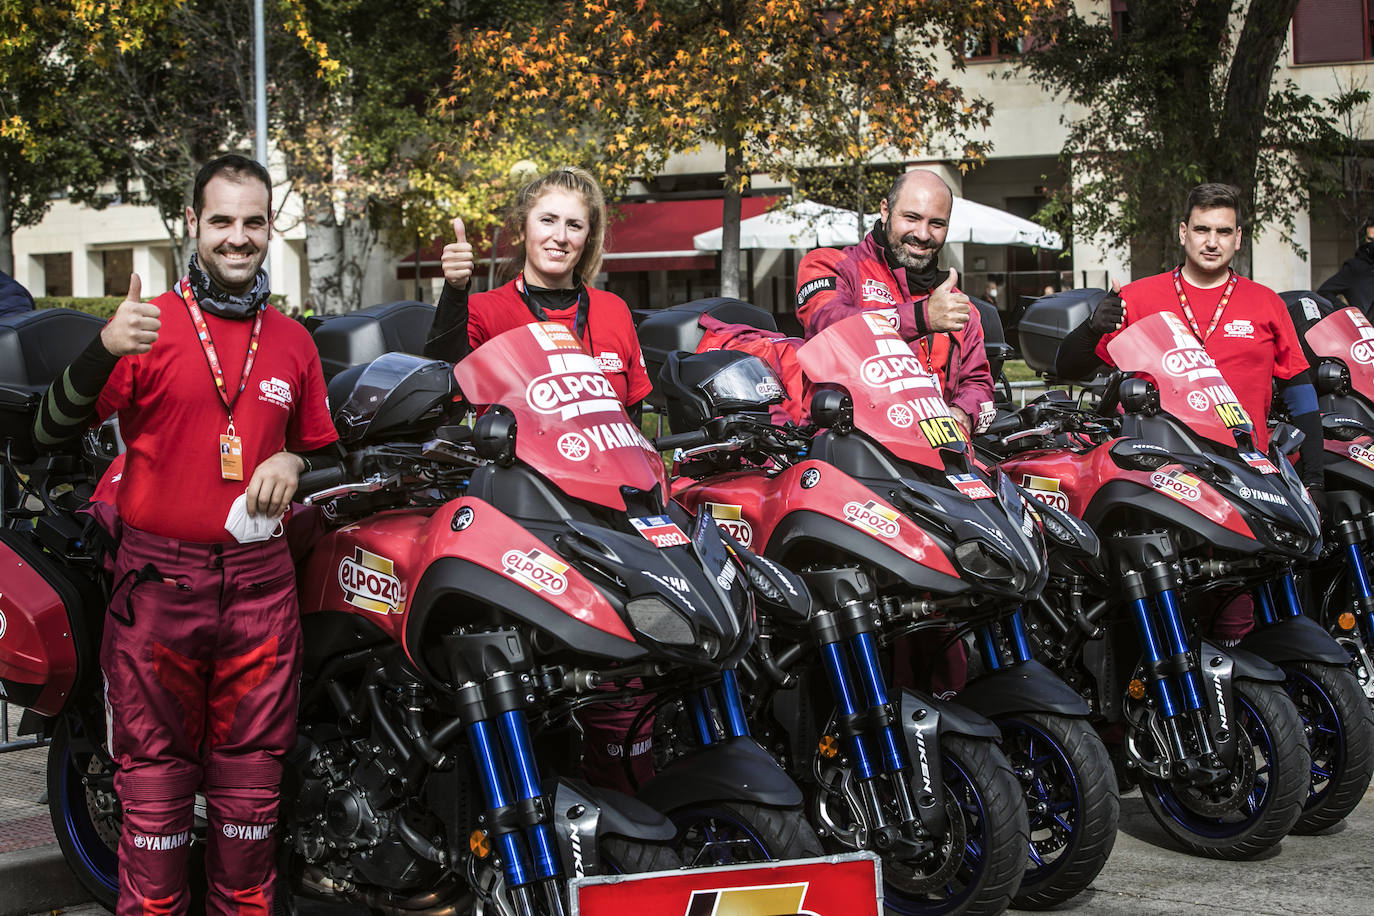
(1184, 360)
(809, 478)
(573, 447)
(462, 518)
(1198, 401)
(900, 416)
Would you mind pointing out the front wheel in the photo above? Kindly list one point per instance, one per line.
(85, 814)
(1072, 802)
(977, 868)
(1261, 800)
(1340, 737)
(729, 833)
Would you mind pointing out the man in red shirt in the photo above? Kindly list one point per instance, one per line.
(895, 270)
(219, 397)
(1244, 326)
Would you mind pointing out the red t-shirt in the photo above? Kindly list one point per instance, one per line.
(609, 334)
(171, 417)
(1254, 341)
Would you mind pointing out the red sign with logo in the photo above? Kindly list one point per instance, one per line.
(847, 885)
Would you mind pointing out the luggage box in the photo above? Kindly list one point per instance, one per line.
(675, 328)
(34, 349)
(355, 338)
(1048, 320)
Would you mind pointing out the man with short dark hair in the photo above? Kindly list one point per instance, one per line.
(1354, 282)
(895, 270)
(220, 399)
(1245, 328)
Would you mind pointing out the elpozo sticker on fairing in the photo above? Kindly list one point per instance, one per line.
(536, 570)
(369, 582)
(732, 519)
(1363, 454)
(873, 517)
(1046, 490)
(1183, 487)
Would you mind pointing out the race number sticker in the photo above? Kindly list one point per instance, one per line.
(970, 486)
(1259, 462)
(660, 530)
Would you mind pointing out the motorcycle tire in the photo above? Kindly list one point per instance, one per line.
(1072, 802)
(729, 833)
(984, 793)
(85, 820)
(630, 857)
(1272, 736)
(1340, 738)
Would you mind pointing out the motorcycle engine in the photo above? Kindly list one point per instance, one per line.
(346, 817)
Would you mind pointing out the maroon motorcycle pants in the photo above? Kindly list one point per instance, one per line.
(201, 657)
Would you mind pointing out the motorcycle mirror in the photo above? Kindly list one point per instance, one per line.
(1138, 396)
(1286, 439)
(493, 436)
(1332, 378)
(832, 409)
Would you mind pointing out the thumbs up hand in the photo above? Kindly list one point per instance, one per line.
(134, 327)
(947, 309)
(457, 261)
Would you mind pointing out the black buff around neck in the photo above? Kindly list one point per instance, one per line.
(918, 282)
(217, 302)
(553, 300)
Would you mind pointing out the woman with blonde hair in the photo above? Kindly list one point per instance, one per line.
(557, 228)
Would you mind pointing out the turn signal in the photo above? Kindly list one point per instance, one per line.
(478, 843)
(1346, 621)
(1136, 688)
(829, 746)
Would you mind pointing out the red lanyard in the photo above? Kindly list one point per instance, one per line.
(208, 345)
(1188, 309)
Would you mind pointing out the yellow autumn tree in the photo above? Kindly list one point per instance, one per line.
(778, 85)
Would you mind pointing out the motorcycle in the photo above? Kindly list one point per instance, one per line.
(1191, 513)
(447, 643)
(896, 532)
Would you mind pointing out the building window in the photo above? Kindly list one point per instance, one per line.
(1121, 18)
(118, 263)
(1325, 31)
(986, 46)
(57, 274)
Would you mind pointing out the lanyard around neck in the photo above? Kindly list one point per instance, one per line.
(579, 317)
(1188, 309)
(208, 345)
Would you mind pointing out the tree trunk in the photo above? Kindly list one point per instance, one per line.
(1241, 124)
(730, 216)
(358, 241)
(6, 225)
(324, 255)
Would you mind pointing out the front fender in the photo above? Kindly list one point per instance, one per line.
(582, 814)
(1023, 687)
(736, 769)
(923, 720)
(1295, 639)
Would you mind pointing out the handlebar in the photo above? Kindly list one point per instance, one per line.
(315, 481)
(682, 440)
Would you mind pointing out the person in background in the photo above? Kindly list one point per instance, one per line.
(991, 291)
(557, 228)
(222, 404)
(1354, 282)
(14, 298)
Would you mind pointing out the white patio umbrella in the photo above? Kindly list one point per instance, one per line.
(808, 224)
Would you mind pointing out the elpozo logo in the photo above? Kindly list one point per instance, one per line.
(732, 519)
(1362, 351)
(536, 570)
(554, 391)
(870, 515)
(765, 900)
(1182, 360)
(275, 391)
(1180, 486)
(1046, 490)
(369, 582)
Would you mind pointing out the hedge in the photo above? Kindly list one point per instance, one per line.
(105, 306)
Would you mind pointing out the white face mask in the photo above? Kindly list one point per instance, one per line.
(248, 529)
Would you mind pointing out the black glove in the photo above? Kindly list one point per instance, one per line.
(1109, 313)
(1318, 495)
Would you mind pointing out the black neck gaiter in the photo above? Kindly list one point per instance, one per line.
(217, 302)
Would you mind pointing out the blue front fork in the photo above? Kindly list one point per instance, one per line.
(1359, 580)
(726, 696)
(1178, 692)
(990, 636)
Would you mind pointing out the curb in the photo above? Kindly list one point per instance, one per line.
(36, 879)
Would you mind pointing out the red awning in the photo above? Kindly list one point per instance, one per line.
(641, 236)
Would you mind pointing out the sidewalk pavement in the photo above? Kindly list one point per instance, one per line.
(33, 874)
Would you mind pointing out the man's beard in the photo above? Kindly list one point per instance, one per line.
(908, 260)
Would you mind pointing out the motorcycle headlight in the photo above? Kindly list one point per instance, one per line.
(762, 585)
(660, 621)
(982, 562)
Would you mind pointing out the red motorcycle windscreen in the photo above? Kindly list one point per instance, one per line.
(1191, 387)
(570, 425)
(1347, 335)
(897, 400)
